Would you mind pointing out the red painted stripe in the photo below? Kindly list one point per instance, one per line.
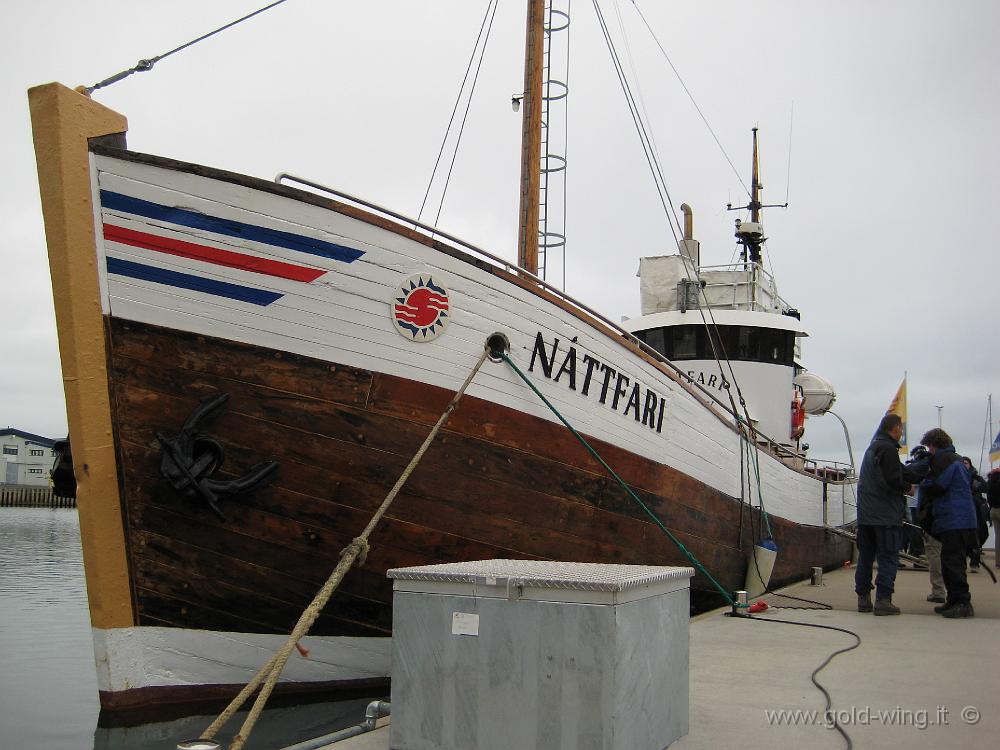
(210, 254)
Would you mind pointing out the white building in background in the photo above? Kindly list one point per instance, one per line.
(25, 459)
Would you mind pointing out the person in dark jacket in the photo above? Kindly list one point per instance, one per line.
(918, 465)
(978, 486)
(881, 505)
(947, 488)
(993, 497)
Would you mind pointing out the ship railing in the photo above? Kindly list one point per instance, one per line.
(827, 470)
(743, 298)
(833, 470)
(775, 447)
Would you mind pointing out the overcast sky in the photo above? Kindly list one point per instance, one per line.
(886, 246)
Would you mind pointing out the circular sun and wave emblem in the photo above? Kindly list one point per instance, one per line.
(420, 308)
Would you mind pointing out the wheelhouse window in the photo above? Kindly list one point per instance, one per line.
(683, 342)
(744, 343)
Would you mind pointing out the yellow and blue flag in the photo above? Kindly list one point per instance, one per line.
(995, 450)
(898, 406)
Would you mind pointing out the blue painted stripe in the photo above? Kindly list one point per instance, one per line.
(196, 283)
(228, 227)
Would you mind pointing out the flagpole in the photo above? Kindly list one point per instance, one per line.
(994, 449)
(989, 421)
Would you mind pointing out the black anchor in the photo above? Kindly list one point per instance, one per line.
(189, 459)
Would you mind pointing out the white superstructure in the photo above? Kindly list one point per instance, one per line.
(756, 344)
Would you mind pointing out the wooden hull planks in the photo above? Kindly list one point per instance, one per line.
(497, 483)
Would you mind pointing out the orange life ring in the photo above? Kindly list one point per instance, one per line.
(798, 415)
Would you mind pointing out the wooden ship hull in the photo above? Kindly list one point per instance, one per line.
(190, 282)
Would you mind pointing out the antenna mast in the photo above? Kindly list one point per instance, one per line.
(750, 234)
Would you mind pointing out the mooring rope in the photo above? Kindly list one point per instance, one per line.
(358, 548)
(694, 561)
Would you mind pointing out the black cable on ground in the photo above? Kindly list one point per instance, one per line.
(829, 701)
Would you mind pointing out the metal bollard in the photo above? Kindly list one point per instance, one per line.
(817, 577)
(740, 607)
(199, 745)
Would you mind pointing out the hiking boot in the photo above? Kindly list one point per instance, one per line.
(936, 598)
(960, 610)
(940, 609)
(885, 607)
(865, 602)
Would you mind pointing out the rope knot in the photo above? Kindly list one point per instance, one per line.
(359, 547)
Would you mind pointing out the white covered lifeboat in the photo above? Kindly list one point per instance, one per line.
(818, 393)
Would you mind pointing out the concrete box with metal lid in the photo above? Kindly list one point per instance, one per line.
(501, 654)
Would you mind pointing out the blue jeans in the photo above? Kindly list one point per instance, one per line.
(880, 543)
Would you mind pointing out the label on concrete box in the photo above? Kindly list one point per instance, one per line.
(464, 623)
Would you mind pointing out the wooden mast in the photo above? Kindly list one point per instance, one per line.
(531, 138)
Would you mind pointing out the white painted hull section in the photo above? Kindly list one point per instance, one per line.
(344, 317)
(142, 657)
(767, 389)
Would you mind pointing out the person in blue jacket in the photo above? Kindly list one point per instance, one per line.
(947, 488)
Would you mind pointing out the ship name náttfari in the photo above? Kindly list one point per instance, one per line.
(590, 376)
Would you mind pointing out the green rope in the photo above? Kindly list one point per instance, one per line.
(755, 458)
(657, 521)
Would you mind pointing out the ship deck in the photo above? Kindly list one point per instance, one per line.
(917, 680)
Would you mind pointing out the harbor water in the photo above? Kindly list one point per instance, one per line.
(48, 687)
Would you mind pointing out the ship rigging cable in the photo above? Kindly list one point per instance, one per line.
(653, 161)
(671, 214)
(744, 425)
(488, 25)
(146, 64)
(672, 221)
(690, 95)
